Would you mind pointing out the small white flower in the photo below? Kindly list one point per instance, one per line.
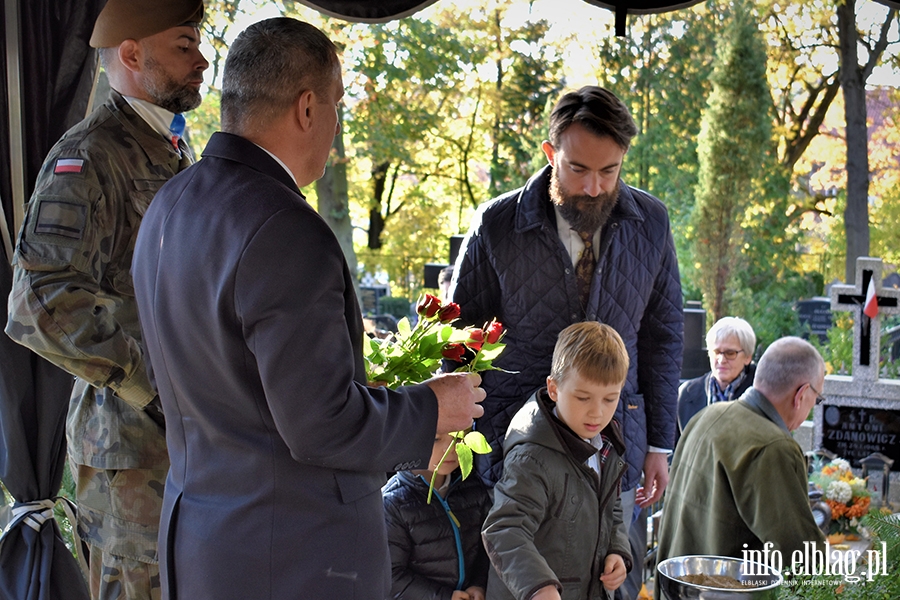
(839, 491)
(840, 464)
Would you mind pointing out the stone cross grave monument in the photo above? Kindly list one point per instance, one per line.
(860, 419)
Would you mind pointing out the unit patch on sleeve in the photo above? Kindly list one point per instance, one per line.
(69, 165)
(61, 218)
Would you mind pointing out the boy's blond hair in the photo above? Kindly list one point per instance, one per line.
(594, 350)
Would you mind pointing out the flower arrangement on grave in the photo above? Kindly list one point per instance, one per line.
(416, 352)
(847, 497)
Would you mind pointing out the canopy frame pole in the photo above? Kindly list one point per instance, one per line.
(16, 125)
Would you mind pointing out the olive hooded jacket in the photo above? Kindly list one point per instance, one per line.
(738, 482)
(554, 520)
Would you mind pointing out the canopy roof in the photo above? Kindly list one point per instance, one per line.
(388, 10)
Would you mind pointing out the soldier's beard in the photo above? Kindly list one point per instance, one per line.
(167, 93)
(583, 212)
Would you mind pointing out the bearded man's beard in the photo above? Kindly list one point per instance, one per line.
(583, 212)
(167, 93)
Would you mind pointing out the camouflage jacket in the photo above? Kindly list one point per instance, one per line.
(73, 299)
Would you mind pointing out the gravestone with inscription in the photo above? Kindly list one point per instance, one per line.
(893, 335)
(370, 296)
(861, 414)
(695, 360)
(815, 317)
(891, 281)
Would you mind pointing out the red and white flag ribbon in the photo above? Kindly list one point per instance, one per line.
(870, 308)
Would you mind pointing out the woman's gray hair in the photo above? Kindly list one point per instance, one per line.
(733, 326)
(269, 65)
(787, 364)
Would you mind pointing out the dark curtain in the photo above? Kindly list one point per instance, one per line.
(5, 175)
(57, 72)
(34, 397)
(57, 69)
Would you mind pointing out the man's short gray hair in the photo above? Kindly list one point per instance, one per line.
(787, 364)
(732, 326)
(269, 65)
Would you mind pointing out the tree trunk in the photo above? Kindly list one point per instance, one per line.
(376, 218)
(856, 214)
(496, 184)
(723, 278)
(334, 201)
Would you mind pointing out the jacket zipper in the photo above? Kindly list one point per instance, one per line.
(615, 484)
(454, 525)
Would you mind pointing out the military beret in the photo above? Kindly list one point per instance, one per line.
(122, 20)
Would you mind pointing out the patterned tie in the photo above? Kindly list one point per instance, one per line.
(177, 130)
(584, 268)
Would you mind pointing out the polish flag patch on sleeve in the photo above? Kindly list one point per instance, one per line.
(69, 165)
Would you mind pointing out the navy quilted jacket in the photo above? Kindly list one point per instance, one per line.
(435, 548)
(514, 267)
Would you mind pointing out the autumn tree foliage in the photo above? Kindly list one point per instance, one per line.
(734, 135)
(447, 107)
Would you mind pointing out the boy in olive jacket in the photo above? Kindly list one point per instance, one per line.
(555, 530)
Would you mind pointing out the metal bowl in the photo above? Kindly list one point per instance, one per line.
(762, 586)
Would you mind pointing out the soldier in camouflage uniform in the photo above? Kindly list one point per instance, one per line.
(73, 298)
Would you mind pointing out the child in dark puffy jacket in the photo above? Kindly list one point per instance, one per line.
(436, 549)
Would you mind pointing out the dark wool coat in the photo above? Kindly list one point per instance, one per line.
(254, 336)
(435, 548)
(514, 267)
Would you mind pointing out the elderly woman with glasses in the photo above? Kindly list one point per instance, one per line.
(730, 343)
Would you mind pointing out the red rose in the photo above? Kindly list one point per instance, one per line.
(428, 306)
(449, 312)
(476, 339)
(494, 331)
(453, 351)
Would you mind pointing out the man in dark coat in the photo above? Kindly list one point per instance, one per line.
(520, 263)
(254, 336)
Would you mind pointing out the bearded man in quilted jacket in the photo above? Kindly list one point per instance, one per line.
(574, 244)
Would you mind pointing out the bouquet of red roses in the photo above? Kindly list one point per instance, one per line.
(415, 353)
